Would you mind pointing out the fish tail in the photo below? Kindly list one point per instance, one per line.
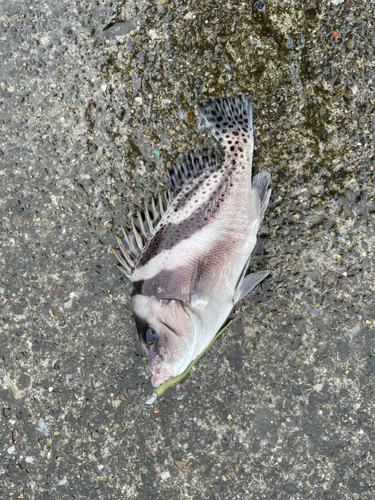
(230, 121)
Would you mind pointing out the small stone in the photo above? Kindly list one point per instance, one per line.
(6, 412)
(190, 116)
(52, 313)
(290, 488)
(121, 29)
(165, 475)
(260, 5)
(289, 43)
(95, 434)
(296, 391)
(42, 426)
(180, 464)
(229, 417)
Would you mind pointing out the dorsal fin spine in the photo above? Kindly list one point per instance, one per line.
(129, 241)
(124, 266)
(140, 220)
(136, 235)
(124, 252)
(161, 206)
(155, 212)
(148, 218)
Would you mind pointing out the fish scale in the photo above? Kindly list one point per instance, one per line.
(189, 268)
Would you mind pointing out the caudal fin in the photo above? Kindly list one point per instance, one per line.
(229, 119)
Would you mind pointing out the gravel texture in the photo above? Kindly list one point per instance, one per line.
(96, 100)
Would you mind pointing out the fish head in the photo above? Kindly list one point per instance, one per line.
(167, 330)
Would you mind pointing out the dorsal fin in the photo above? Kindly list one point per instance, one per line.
(185, 169)
(190, 166)
(133, 240)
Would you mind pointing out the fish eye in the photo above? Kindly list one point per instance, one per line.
(150, 336)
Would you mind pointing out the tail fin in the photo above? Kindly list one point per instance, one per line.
(229, 119)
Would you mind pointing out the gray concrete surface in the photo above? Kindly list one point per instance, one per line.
(91, 113)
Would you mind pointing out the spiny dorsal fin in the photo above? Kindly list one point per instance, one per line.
(190, 166)
(133, 240)
(261, 182)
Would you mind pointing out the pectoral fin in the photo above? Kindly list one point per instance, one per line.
(198, 296)
(247, 284)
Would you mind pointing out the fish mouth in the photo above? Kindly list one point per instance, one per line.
(160, 374)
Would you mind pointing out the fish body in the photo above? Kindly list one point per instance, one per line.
(188, 266)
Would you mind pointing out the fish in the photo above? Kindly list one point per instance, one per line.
(188, 253)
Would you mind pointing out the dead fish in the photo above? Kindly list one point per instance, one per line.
(188, 254)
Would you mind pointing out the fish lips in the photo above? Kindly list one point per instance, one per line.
(160, 373)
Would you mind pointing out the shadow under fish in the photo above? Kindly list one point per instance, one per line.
(188, 253)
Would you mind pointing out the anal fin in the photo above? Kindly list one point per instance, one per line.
(247, 283)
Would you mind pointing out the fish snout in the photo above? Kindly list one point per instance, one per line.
(160, 374)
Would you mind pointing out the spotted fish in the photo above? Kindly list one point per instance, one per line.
(188, 254)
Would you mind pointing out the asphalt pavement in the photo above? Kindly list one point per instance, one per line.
(96, 100)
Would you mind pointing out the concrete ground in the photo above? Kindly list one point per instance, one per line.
(96, 99)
